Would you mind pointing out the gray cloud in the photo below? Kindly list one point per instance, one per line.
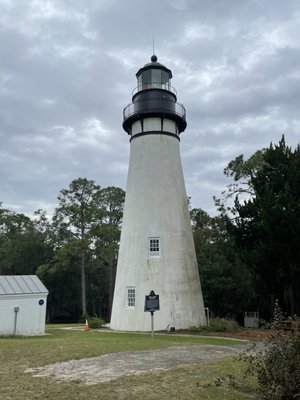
(68, 68)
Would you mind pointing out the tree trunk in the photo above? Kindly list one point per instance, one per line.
(289, 300)
(83, 290)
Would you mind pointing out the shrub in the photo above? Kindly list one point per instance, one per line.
(223, 325)
(277, 366)
(217, 325)
(96, 323)
(195, 329)
(278, 317)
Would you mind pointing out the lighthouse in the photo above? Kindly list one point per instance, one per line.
(156, 247)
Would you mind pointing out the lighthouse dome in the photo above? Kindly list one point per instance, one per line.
(155, 64)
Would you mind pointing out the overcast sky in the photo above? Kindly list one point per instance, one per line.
(67, 70)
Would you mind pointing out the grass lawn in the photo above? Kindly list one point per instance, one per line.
(216, 380)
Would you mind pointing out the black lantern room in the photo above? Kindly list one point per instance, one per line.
(154, 97)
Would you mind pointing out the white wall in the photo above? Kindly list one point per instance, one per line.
(30, 317)
(156, 206)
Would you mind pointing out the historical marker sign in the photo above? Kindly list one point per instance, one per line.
(152, 302)
(151, 305)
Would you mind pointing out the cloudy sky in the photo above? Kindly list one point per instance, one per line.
(67, 70)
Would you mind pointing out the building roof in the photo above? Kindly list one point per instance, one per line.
(21, 284)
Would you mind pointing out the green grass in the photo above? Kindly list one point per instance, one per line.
(216, 380)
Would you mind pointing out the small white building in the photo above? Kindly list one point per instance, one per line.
(23, 300)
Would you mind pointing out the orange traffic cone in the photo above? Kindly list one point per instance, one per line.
(86, 325)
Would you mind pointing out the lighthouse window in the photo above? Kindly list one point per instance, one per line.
(139, 80)
(130, 297)
(156, 77)
(146, 76)
(154, 247)
(164, 77)
(165, 80)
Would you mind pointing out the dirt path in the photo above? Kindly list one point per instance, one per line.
(114, 365)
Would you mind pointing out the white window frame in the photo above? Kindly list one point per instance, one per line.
(130, 297)
(154, 247)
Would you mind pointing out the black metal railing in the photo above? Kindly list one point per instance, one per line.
(133, 108)
(154, 85)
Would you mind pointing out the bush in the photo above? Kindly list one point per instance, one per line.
(217, 325)
(277, 366)
(223, 325)
(195, 329)
(96, 323)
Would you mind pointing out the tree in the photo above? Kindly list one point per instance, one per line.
(266, 224)
(22, 245)
(242, 171)
(74, 253)
(86, 226)
(61, 276)
(107, 236)
(226, 283)
(80, 210)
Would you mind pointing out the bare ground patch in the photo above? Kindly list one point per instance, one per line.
(111, 366)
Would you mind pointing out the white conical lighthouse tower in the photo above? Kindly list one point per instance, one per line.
(156, 248)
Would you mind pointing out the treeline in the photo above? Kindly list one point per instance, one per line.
(74, 253)
(248, 255)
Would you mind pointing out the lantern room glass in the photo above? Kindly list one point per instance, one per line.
(153, 79)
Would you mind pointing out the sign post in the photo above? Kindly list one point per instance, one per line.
(152, 305)
(152, 323)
